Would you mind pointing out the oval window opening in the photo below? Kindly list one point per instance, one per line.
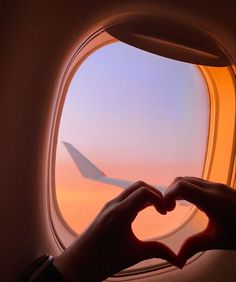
(129, 115)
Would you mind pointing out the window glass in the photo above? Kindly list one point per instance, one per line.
(129, 115)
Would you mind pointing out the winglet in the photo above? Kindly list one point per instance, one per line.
(86, 168)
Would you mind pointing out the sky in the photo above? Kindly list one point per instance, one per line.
(135, 115)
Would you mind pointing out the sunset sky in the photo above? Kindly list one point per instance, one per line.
(136, 116)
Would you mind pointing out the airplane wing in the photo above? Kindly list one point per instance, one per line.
(90, 171)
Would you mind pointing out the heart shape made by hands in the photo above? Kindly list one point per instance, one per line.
(218, 204)
(145, 224)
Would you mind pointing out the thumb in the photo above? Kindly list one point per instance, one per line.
(193, 245)
(153, 249)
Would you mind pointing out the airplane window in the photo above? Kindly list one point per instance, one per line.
(129, 115)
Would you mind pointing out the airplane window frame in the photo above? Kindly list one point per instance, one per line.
(217, 167)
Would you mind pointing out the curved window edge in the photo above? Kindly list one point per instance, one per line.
(216, 79)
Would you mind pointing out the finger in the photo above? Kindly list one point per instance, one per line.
(184, 190)
(140, 199)
(200, 182)
(153, 249)
(170, 201)
(195, 244)
(194, 180)
(134, 187)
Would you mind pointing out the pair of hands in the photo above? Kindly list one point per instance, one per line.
(109, 244)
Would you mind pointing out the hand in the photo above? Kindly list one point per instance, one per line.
(218, 201)
(109, 244)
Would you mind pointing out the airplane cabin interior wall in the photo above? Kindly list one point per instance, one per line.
(38, 41)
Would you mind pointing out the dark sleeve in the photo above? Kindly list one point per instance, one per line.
(50, 274)
(42, 270)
